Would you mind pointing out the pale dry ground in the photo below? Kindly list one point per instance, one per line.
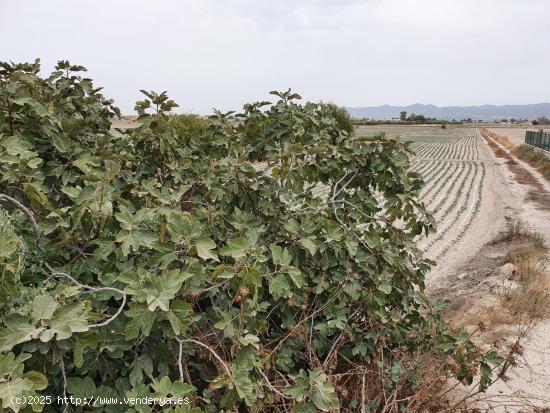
(516, 134)
(530, 381)
(419, 133)
(524, 209)
(124, 123)
(470, 192)
(460, 191)
(499, 195)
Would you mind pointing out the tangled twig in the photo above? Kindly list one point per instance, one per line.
(272, 388)
(88, 288)
(335, 344)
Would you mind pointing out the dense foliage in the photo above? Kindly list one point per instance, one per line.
(189, 127)
(342, 117)
(248, 263)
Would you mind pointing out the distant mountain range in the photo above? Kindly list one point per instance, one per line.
(485, 112)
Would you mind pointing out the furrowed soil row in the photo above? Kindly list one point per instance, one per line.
(455, 171)
(447, 172)
(456, 207)
(471, 216)
(437, 208)
(454, 178)
(430, 170)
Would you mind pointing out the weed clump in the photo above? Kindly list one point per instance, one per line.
(536, 158)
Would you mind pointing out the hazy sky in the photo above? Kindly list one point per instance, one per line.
(222, 53)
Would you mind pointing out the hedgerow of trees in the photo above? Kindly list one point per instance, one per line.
(260, 261)
(541, 120)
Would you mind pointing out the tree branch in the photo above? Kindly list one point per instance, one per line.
(63, 373)
(210, 349)
(26, 211)
(92, 289)
(272, 388)
(180, 351)
(333, 347)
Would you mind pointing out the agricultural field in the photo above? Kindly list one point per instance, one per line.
(456, 167)
(473, 184)
(418, 133)
(468, 190)
(516, 134)
(234, 224)
(455, 176)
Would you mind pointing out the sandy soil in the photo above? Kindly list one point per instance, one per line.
(415, 132)
(529, 383)
(124, 123)
(461, 234)
(515, 134)
(528, 211)
(501, 195)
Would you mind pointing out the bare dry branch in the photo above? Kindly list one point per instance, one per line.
(180, 351)
(272, 388)
(64, 375)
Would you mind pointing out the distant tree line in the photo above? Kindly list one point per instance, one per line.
(542, 120)
(412, 119)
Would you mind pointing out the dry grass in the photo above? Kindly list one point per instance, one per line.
(523, 298)
(526, 243)
(507, 304)
(424, 383)
(537, 194)
(376, 389)
(532, 298)
(536, 159)
(503, 140)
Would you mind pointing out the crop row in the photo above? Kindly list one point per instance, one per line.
(458, 205)
(461, 210)
(454, 179)
(452, 194)
(429, 150)
(443, 172)
(471, 217)
(466, 148)
(428, 168)
(453, 171)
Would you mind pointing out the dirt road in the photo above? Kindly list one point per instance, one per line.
(501, 195)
